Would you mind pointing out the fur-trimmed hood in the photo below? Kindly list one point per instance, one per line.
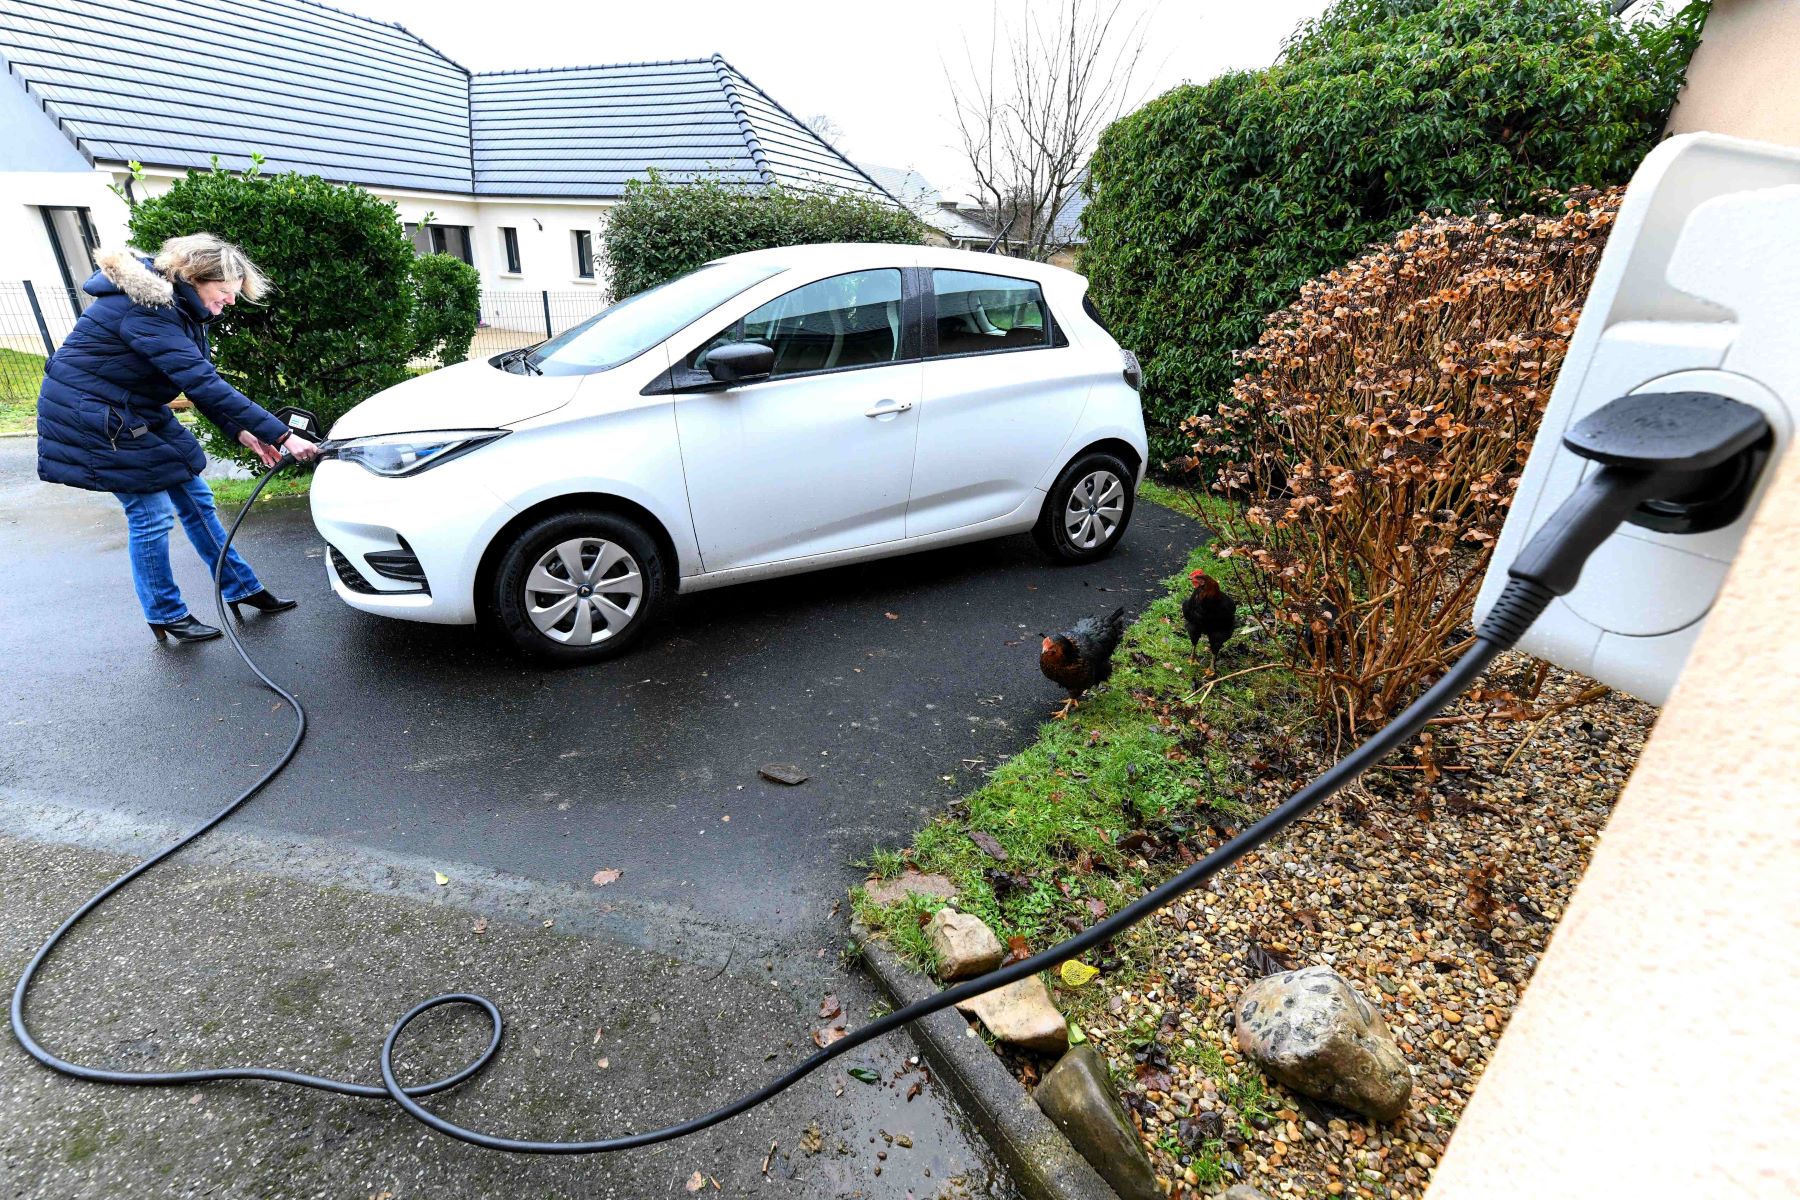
(103, 411)
(134, 276)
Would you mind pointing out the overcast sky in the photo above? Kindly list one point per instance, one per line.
(877, 70)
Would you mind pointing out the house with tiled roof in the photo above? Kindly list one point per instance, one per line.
(515, 169)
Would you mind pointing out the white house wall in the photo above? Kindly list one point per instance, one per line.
(546, 238)
(545, 230)
(25, 251)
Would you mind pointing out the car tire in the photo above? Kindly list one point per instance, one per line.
(1078, 523)
(607, 564)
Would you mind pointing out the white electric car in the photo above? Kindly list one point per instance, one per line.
(770, 413)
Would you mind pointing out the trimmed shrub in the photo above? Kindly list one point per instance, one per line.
(446, 307)
(339, 325)
(662, 230)
(1387, 416)
(1212, 204)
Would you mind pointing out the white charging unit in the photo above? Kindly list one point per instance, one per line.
(1698, 290)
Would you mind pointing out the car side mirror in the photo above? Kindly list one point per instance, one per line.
(741, 362)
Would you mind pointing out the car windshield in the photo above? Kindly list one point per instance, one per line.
(635, 324)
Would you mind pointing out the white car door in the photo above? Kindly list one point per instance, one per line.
(1000, 400)
(819, 456)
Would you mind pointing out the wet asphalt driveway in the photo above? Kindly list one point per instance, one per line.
(894, 685)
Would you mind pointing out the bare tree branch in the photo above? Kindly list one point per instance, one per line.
(1027, 142)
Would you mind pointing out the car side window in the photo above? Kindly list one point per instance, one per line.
(851, 320)
(977, 313)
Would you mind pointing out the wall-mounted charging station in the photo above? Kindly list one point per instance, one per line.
(1698, 291)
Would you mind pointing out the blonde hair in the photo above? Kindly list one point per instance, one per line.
(204, 258)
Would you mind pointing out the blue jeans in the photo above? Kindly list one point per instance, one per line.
(149, 516)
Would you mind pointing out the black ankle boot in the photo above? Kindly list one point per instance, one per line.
(264, 601)
(185, 630)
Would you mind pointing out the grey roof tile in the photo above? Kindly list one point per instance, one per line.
(327, 92)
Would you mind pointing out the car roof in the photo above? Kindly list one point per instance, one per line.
(854, 255)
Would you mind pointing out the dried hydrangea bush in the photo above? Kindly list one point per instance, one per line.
(1377, 441)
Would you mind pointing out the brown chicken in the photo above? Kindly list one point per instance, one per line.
(1082, 657)
(1208, 612)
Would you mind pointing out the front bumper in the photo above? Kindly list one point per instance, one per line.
(406, 547)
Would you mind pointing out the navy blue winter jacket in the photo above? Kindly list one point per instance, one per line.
(103, 416)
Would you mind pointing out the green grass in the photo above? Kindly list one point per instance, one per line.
(1146, 752)
(231, 493)
(21, 375)
(1243, 1087)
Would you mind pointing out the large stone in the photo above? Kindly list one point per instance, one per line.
(908, 883)
(1021, 1014)
(1242, 1191)
(965, 945)
(1311, 1031)
(1079, 1098)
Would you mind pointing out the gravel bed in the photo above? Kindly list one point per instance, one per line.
(1433, 891)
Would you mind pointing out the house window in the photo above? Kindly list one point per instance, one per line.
(584, 254)
(73, 239)
(441, 239)
(509, 240)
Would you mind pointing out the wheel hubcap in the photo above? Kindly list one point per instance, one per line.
(583, 591)
(1096, 506)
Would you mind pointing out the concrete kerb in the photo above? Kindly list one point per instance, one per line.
(1043, 1164)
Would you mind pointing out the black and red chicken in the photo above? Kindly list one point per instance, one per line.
(1082, 657)
(1208, 613)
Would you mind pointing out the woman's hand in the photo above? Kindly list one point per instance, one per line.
(269, 454)
(300, 446)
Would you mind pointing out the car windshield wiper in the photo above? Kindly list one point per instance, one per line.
(522, 356)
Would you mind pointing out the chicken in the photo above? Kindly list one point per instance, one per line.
(1208, 612)
(1082, 657)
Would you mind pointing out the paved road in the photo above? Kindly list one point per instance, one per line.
(429, 742)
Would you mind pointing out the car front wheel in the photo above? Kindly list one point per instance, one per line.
(1087, 509)
(577, 587)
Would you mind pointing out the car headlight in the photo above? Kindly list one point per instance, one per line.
(394, 454)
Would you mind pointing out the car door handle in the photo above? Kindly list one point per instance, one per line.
(890, 410)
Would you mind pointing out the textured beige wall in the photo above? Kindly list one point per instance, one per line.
(1745, 77)
(1657, 1052)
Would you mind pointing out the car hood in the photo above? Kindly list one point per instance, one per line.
(469, 395)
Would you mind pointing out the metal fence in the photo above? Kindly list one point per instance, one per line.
(510, 319)
(33, 322)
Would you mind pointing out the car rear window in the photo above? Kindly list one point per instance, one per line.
(979, 313)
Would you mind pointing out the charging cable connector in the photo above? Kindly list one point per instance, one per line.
(1677, 462)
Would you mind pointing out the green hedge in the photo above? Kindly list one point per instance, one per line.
(447, 307)
(1212, 204)
(339, 325)
(661, 230)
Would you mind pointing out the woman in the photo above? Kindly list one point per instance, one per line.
(104, 423)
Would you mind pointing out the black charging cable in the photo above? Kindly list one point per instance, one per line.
(1690, 457)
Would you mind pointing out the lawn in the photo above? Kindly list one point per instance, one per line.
(21, 375)
(231, 493)
(1135, 761)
